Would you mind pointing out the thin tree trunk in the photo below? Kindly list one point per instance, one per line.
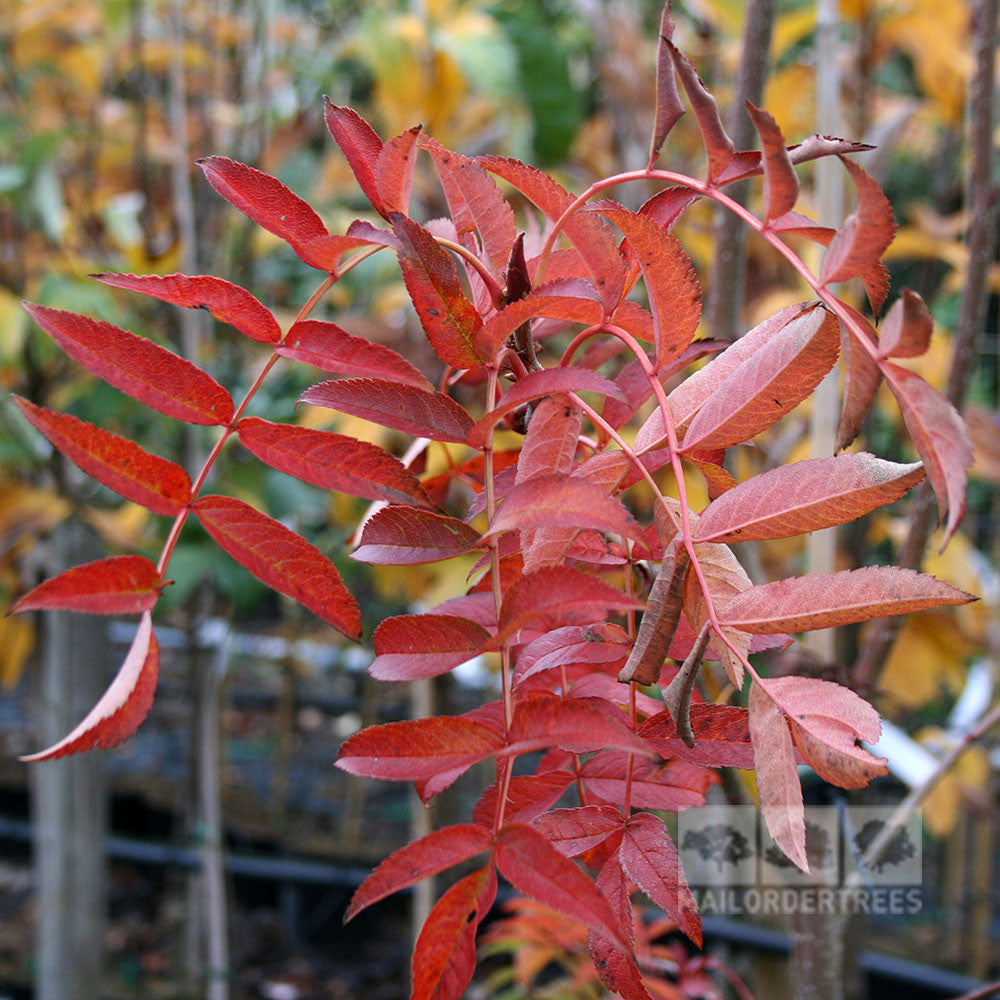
(69, 796)
(724, 308)
(982, 205)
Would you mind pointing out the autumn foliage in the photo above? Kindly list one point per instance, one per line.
(564, 546)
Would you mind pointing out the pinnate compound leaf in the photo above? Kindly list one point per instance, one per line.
(771, 382)
(781, 183)
(412, 646)
(401, 407)
(120, 585)
(156, 483)
(418, 749)
(573, 832)
(444, 958)
(668, 101)
(227, 302)
(534, 867)
(537, 384)
(476, 203)
(826, 600)
(940, 437)
(556, 591)
(649, 858)
(361, 146)
(147, 372)
(673, 289)
(560, 501)
(907, 328)
(433, 853)
(331, 461)
(528, 796)
(272, 205)
(449, 319)
(280, 558)
(777, 776)
(805, 496)
(122, 707)
(401, 535)
(672, 785)
(591, 237)
(862, 378)
(325, 345)
(856, 250)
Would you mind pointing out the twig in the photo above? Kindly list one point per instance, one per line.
(990, 990)
(981, 240)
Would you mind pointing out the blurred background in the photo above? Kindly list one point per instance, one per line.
(213, 854)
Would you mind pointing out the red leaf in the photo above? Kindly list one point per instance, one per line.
(805, 496)
(281, 559)
(144, 370)
(401, 535)
(395, 171)
(401, 407)
(719, 147)
(533, 866)
(557, 591)
(418, 860)
(528, 795)
(856, 250)
(598, 643)
(447, 316)
(417, 749)
(617, 969)
(573, 832)
(781, 183)
(569, 299)
(272, 205)
(649, 858)
(797, 224)
(674, 292)
(155, 483)
(412, 646)
(331, 461)
(535, 385)
(361, 146)
(907, 328)
(770, 383)
(122, 707)
(444, 958)
(475, 202)
(120, 585)
(721, 733)
(668, 102)
(577, 725)
(827, 722)
(692, 393)
(672, 786)
(327, 346)
(862, 379)
(565, 502)
(227, 302)
(825, 600)
(777, 776)
(940, 437)
(590, 236)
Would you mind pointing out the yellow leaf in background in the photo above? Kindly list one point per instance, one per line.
(940, 808)
(971, 772)
(26, 513)
(125, 527)
(17, 639)
(927, 659)
(791, 28)
(964, 566)
(13, 325)
(789, 96)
